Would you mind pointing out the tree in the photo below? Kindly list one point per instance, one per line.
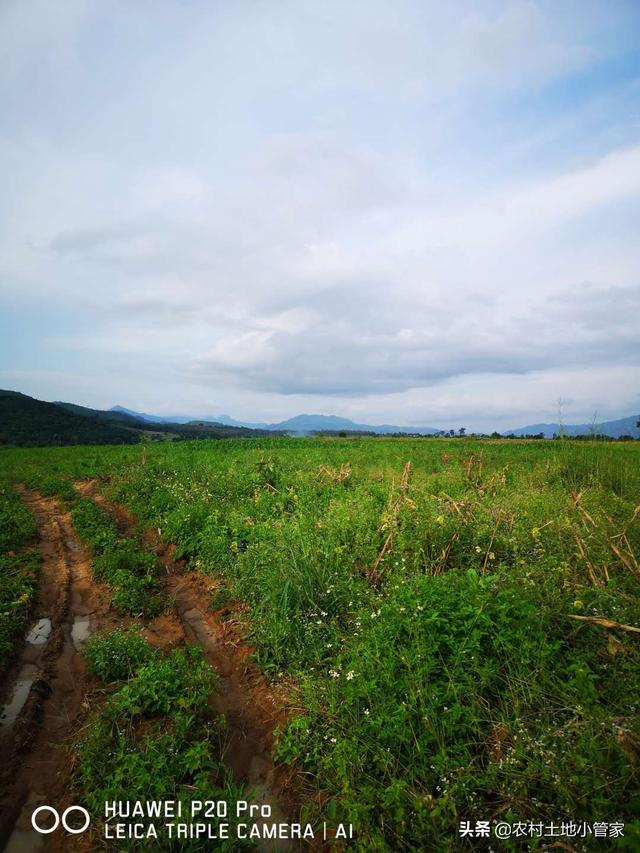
(462, 432)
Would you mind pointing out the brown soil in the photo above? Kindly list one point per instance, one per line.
(35, 748)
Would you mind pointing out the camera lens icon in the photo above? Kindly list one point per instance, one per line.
(57, 819)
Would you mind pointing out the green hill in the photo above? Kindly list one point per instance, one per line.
(26, 422)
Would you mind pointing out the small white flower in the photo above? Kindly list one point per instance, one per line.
(350, 675)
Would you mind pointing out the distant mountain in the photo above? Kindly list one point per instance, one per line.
(612, 429)
(229, 421)
(152, 419)
(25, 421)
(298, 425)
(306, 424)
(189, 419)
(118, 417)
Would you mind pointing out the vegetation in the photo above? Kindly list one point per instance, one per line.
(157, 732)
(18, 584)
(17, 525)
(18, 570)
(117, 655)
(26, 422)
(452, 615)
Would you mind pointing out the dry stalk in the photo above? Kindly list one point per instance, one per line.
(585, 558)
(390, 522)
(604, 623)
(493, 536)
(444, 556)
(336, 476)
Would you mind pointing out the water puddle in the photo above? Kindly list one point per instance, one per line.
(21, 688)
(80, 630)
(40, 632)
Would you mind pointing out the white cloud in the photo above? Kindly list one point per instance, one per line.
(295, 210)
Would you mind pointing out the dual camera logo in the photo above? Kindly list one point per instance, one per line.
(37, 820)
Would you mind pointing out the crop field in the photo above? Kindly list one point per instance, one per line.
(401, 634)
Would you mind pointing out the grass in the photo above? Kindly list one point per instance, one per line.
(422, 615)
(449, 681)
(18, 570)
(17, 524)
(18, 586)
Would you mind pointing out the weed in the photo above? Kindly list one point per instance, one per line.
(18, 584)
(117, 655)
(160, 742)
(17, 524)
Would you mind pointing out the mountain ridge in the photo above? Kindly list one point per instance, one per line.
(306, 424)
(303, 424)
(28, 422)
(612, 429)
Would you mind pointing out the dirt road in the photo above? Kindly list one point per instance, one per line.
(47, 695)
(45, 692)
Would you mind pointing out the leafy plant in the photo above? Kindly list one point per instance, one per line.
(117, 655)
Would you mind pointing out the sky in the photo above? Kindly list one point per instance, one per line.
(412, 212)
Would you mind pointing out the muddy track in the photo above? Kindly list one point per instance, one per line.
(251, 708)
(45, 693)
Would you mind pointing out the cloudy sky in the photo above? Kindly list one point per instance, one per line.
(415, 212)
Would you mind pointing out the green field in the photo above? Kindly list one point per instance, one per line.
(414, 596)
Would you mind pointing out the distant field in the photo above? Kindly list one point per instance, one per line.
(413, 598)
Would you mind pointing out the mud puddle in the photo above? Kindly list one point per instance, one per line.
(20, 693)
(80, 631)
(40, 632)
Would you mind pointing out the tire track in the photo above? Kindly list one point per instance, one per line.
(35, 745)
(251, 708)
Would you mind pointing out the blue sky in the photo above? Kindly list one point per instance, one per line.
(418, 212)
